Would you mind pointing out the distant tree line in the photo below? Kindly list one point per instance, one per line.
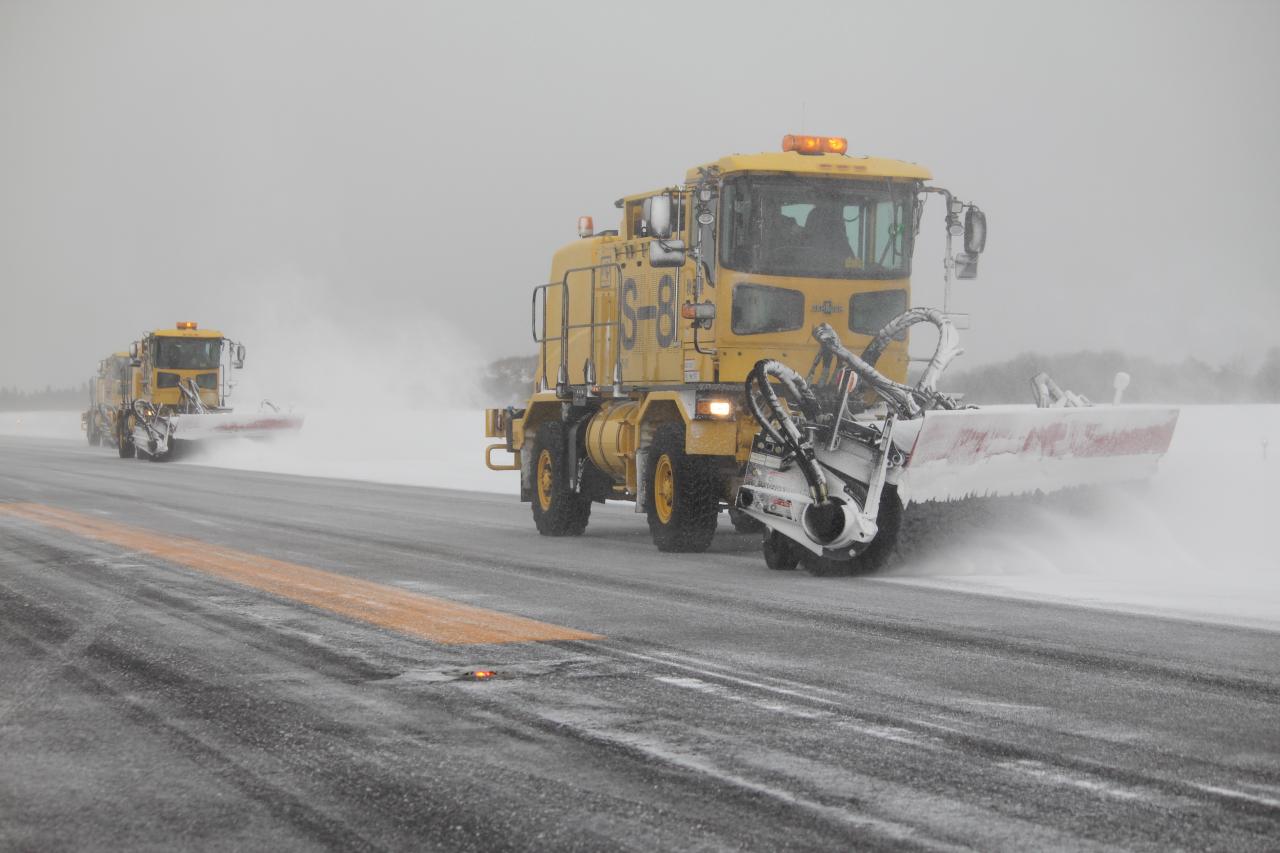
(75, 397)
(509, 381)
(1092, 374)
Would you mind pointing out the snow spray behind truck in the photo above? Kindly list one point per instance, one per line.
(741, 342)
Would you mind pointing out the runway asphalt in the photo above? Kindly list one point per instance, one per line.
(198, 658)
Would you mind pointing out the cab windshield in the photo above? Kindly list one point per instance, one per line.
(187, 353)
(817, 227)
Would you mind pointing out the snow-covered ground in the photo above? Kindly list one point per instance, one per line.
(1200, 541)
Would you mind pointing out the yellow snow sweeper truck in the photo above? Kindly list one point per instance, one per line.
(177, 394)
(740, 342)
(106, 395)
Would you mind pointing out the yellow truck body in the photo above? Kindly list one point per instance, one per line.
(107, 392)
(175, 394)
(649, 331)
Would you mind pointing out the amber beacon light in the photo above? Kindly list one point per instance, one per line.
(187, 324)
(815, 144)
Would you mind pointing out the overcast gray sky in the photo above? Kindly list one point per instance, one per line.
(391, 177)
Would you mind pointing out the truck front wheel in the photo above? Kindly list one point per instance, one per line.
(124, 438)
(557, 510)
(683, 501)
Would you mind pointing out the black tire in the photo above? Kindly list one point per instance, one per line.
(889, 521)
(683, 521)
(744, 523)
(780, 553)
(557, 511)
(124, 440)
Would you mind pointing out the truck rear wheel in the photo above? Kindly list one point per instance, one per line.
(557, 510)
(683, 502)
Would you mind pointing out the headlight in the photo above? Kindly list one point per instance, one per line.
(714, 408)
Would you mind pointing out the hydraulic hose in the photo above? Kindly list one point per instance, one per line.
(787, 434)
(901, 397)
(146, 415)
(905, 399)
(947, 349)
(191, 395)
(907, 402)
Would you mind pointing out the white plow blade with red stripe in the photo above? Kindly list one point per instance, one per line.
(232, 425)
(1010, 450)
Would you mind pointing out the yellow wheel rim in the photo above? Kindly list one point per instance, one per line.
(664, 489)
(544, 480)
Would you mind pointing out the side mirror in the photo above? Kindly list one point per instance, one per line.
(975, 231)
(966, 265)
(657, 212)
(239, 359)
(133, 351)
(666, 253)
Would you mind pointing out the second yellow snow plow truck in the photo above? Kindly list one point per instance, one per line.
(740, 341)
(106, 396)
(177, 392)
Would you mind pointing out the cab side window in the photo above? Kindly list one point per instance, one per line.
(637, 227)
(635, 219)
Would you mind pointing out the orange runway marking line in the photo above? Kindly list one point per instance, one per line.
(436, 619)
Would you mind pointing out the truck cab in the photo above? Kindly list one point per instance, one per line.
(184, 368)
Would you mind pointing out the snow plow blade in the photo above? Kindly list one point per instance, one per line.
(230, 425)
(1012, 450)
(830, 475)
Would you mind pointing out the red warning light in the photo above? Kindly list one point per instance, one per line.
(482, 674)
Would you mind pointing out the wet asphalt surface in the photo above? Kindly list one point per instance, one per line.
(145, 705)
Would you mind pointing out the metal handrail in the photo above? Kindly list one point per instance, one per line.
(566, 326)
